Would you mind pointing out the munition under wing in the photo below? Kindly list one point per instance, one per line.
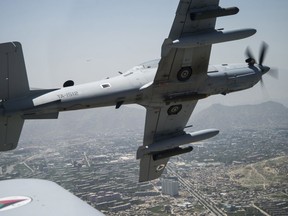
(175, 142)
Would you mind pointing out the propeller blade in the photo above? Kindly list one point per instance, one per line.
(262, 83)
(274, 73)
(249, 53)
(263, 53)
(265, 69)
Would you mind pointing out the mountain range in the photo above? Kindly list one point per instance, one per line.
(265, 115)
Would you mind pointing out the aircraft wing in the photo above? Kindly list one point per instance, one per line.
(31, 197)
(168, 115)
(160, 125)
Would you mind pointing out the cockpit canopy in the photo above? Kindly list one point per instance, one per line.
(150, 64)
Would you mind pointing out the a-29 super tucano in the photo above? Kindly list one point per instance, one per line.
(168, 88)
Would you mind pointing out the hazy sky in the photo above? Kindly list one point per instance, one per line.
(89, 40)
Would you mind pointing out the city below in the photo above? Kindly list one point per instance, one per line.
(242, 171)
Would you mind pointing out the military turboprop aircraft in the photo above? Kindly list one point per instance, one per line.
(168, 88)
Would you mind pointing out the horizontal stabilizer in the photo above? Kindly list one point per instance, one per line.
(10, 130)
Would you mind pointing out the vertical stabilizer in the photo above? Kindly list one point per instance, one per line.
(13, 76)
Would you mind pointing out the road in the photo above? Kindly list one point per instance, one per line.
(206, 202)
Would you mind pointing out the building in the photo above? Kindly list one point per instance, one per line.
(170, 186)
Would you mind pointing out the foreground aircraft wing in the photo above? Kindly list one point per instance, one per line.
(166, 118)
(33, 197)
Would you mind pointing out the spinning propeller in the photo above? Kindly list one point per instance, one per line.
(264, 69)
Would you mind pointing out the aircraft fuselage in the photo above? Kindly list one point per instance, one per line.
(134, 86)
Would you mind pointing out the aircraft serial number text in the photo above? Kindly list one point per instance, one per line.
(68, 95)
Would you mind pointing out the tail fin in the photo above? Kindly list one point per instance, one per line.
(13, 84)
(13, 76)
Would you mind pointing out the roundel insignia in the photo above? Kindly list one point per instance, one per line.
(12, 202)
(184, 74)
(174, 110)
